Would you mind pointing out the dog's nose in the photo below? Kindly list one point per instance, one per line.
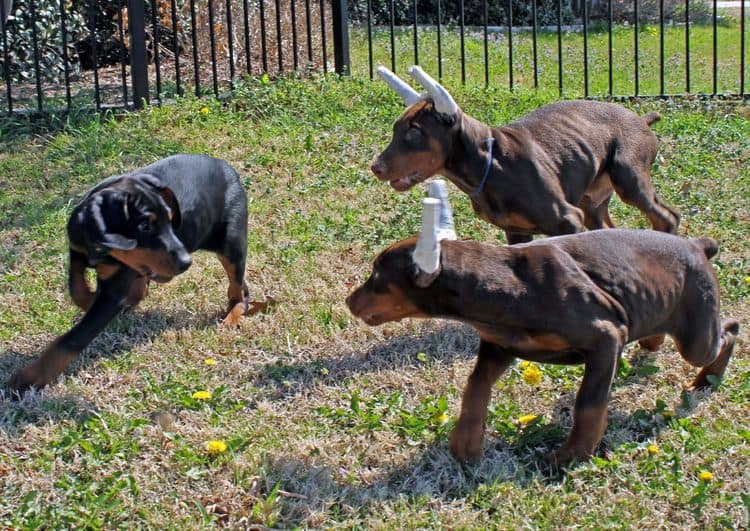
(378, 168)
(182, 260)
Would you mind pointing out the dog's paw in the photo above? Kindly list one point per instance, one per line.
(22, 381)
(466, 442)
(234, 317)
(565, 455)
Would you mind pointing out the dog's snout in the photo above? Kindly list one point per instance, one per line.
(182, 260)
(378, 168)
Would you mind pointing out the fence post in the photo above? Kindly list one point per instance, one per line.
(138, 57)
(340, 37)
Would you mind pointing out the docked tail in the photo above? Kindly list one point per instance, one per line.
(651, 118)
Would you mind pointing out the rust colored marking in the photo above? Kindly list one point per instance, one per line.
(234, 317)
(105, 271)
(157, 261)
(138, 290)
(235, 291)
(376, 309)
(80, 291)
(45, 370)
(552, 342)
(652, 343)
(513, 219)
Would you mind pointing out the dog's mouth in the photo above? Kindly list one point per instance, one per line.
(375, 319)
(151, 275)
(404, 183)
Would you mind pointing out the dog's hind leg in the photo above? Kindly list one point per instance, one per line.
(110, 299)
(729, 330)
(632, 181)
(467, 436)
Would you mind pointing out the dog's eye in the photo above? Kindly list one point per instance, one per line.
(145, 226)
(413, 135)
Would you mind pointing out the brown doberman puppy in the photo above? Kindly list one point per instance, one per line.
(139, 227)
(552, 171)
(564, 300)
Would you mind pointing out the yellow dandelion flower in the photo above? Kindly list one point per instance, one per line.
(216, 447)
(747, 281)
(202, 395)
(652, 449)
(442, 418)
(204, 110)
(705, 475)
(210, 361)
(526, 419)
(524, 364)
(532, 375)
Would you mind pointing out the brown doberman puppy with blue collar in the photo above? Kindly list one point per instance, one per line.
(551, 172)
(565, 300)
(139, 227)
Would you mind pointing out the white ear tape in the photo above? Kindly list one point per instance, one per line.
(408, 94)
(427, 251)
(444, 102)
(446, 229)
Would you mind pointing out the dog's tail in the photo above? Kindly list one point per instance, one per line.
(652, 117)
(709, 246)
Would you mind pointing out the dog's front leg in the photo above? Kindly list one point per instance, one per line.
(110, 299)
(590, 411)
(79, 289)
(467, 436)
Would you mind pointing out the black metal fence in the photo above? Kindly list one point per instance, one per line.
(693, 48)
(107, 54)
(59, 55)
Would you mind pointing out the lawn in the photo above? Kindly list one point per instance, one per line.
(623, 57)
(328, 422)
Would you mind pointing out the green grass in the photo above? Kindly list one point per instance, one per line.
(623, 58)
(329, 422)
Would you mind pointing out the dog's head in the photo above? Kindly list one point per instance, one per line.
(422, 135)
(133, 220)
(389, 294)
(401, 275)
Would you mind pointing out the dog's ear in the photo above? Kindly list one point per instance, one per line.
(422, 279)
(167, 195)
(169, 198)
(99, 241)
(446, 119)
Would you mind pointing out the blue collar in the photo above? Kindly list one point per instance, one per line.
(490, 141)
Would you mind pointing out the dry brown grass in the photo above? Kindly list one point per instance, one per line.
(281, 367)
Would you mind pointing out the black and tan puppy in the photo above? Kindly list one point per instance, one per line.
(564, 300)
(142, 226)
(551, 172)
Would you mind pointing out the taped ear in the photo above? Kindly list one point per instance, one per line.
(422, 279)
(169, 198)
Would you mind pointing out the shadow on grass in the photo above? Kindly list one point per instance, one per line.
(509, 463)
(126, 332)
(431, 344)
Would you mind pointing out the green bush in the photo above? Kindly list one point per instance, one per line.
(20, 66)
